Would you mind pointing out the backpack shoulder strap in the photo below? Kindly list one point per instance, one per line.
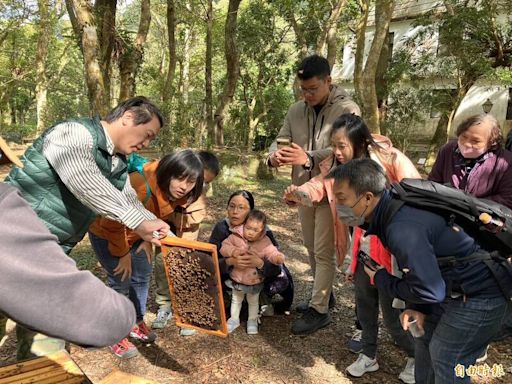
(148, 189)
(397, 192)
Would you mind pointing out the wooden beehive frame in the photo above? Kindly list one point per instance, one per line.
(169, 242)
(55, 368)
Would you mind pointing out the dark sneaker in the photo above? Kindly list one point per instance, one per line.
(311, 321)
(124, 349)
(303, 307)
(141, 333)
(355, 345)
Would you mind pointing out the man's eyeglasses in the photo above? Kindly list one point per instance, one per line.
(311, 91)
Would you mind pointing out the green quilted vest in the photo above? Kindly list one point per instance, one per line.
(61, 211)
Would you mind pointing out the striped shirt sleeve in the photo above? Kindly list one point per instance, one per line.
(68, 148)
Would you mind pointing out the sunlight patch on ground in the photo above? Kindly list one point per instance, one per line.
(323, 372)
(286, 231)
(299, 267)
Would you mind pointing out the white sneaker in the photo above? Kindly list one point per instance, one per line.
(407, 375)
(187, 332)
(252, 327)
(233, 324)
(162, 317)
(362, 365)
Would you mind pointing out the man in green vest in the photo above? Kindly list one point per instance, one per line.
(76, 170)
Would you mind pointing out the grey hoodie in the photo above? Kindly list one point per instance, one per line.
(42, 288)
(304, 128)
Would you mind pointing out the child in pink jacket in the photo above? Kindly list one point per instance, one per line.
(248, 238)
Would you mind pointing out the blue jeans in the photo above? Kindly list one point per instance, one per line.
(457, 332)
(135, 288)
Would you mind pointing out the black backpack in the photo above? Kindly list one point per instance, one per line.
(488, 222)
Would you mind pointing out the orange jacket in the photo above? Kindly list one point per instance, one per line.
(121, 239)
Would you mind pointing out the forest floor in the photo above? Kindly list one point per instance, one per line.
(272, 356)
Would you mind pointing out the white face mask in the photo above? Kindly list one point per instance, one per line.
(471, 153)
(347, 215)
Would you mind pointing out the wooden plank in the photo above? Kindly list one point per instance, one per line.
(28, 376)
(19, 368)
(54, 368)
(64, 377)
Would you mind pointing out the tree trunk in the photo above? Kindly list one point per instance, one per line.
(299, 36)
(188, 34)
(233, 70)
(171, 68)
(85, 28)
(369, 102)
(207, 124)
(43, 39)
(302, 45)
(328, 36)
(105, 13)
(184, 83)
(381, 83)
(360, 47)
(131, 59)
(12, 106)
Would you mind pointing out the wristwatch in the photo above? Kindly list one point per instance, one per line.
(308, 165)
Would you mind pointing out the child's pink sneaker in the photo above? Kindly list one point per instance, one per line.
(142, 333)
(124, 349)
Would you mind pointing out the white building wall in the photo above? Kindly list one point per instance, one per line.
(476, 97)
(472, 103)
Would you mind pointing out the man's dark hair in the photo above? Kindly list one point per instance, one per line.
(257, 215)
(141, 107)
(210, 162)
(313, 66)
(180, 165)
(363, 175)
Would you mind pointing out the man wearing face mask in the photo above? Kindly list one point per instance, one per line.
(459, 307)
(477, 163)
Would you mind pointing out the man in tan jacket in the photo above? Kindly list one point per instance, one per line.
(307, 126)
